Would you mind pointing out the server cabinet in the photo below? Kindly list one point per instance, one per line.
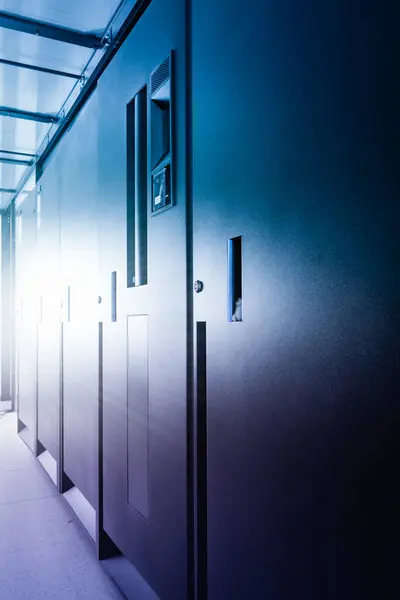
(49, 320)
(294, 200)
(142, 267)
(8, 321)
(80, 356)
(27, 311)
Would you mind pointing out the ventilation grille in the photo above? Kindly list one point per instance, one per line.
(160, 75)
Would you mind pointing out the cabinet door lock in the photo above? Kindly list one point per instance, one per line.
(198, 286)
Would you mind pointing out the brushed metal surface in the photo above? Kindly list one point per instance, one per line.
(138, 414)
(79, 273)
(157, 547)
(27, 299)
(49, 329)
(292, 119)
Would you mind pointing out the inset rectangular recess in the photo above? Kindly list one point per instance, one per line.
(235, 291)
(138, 414)
(66, 305)
(39, 207)
(19, 227)
(161, 131)
(201, 455)
(160, 113)
(136, 116)
(160, 125)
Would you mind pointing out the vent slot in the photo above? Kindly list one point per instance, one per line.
(160, 76)
(161, 132)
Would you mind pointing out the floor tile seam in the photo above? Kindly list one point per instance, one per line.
(29, 500)
(32, 468)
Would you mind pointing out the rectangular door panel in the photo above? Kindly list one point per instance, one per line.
(80, 401)
(49, 337)
(288, 138)
(138, 414)
(27, 374)
(80, 352)
(27, 294)
(9, 299)
(142, 239)
(49, 325)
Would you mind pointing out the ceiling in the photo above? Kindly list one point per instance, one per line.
(67, 42)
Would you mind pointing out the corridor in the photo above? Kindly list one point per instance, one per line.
(199, 359)
(44, 552)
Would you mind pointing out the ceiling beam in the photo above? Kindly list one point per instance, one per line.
(28, 116)
(12, 63)
(15, 153)
(125, 18)
(16, 161)
(7, 191)
(48, 30)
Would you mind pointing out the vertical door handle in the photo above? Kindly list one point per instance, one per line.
(235, 285)
(114, 296)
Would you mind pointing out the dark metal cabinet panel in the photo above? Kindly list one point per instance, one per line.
(157, 545)
(78, 230)
(292, 120)
(27, 304)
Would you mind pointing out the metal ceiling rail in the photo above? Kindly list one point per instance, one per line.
(20, 65)
(15, 113)
(7, 191)
(16, 161)
(16, 153)
(48, 30)
(126, 16)
(121, 24)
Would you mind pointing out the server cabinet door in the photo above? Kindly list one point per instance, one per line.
(27, 304)
(9, 321)
(143, 286)
(79, 315)
(49, 321)
(293, 210)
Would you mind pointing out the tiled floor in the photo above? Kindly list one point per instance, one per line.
(43, 551)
